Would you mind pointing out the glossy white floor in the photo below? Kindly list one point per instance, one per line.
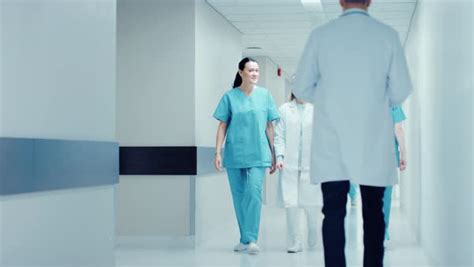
(217, 250)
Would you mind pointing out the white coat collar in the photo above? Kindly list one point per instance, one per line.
(293, 104)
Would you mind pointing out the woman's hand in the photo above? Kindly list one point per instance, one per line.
(273, 167)
(279, 162)
(403, 162)
(218, 162)
(279, 165)
(401, 145)
(221, 131)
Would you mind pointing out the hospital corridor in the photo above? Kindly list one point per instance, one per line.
(114, 113)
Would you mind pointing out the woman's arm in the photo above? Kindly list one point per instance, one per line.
(221, 131)
(399, 134)
(280, 143)
(270, 136)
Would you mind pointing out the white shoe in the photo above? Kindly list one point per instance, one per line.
(294, 231)
(295, 248)
(240, 247)
(253, 249)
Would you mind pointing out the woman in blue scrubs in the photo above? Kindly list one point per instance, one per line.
(245, 115)
(398, 117)
(353, 194)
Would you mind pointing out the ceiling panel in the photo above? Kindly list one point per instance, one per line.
(280, 27)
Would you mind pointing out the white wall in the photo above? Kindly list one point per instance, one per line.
(439, 51)
(1, 123)
(288, 87)
(1, 233)
(410, 180)
(56, 57)
(270, 80)
(155, 72)
(57, 80)
(276, 84)
(214, 211)
(1, 76)
(218, 52)
(61, 228)
(153, 206)
(155, 107)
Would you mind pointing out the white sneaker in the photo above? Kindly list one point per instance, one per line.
(240, 247)
(252, 248)
(295, 248)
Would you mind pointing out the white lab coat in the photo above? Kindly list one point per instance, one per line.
(293, 135)
(352, 70)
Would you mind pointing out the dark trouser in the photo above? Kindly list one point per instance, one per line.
(334, 210)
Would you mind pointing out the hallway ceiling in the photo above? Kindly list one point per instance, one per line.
(280, 27)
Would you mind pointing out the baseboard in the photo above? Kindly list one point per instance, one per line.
(155, 242)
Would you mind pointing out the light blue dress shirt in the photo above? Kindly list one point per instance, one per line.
(353, 69)
(246, 142)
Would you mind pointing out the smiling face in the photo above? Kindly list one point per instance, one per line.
(250, 73)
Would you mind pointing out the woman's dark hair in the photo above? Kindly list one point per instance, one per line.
(292, 96)
(238, 79)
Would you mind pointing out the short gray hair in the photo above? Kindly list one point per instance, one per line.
(357, 1)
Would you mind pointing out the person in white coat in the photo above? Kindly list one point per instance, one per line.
(293, 133)
(353, 69)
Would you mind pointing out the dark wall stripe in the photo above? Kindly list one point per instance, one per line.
(167, 160)
(158, 160)
(33, 165)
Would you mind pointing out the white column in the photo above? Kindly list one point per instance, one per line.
(218, 52)
(57, 81)
(155, 107)
(438, 186)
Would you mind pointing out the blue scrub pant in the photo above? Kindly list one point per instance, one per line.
(353, 192)
(246, 187)
(387, 204)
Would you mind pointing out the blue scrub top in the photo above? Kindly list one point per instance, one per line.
(246, 143)
(398, 116)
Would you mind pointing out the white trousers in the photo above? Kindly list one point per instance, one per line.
(295, 231)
